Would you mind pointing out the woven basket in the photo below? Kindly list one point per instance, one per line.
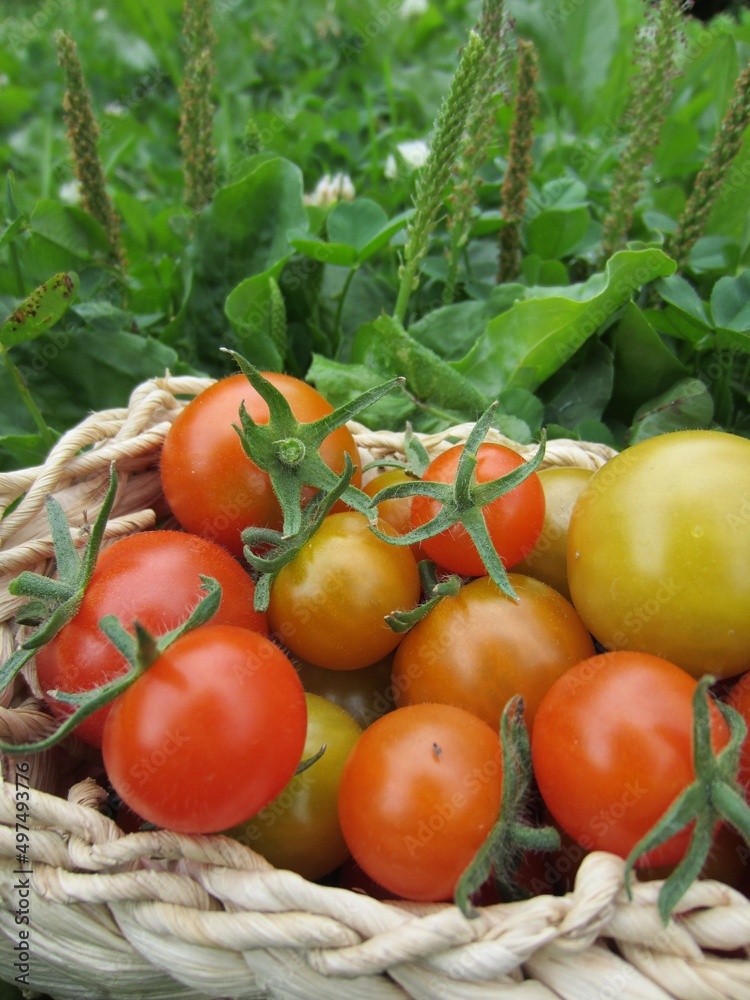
(161, 915)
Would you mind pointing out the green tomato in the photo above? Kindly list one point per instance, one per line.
(659, 551)
(548, 560)
(299, 830)
(365, 693)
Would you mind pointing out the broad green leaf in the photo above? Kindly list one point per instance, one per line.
(337, 254)
(68, 228)
(554, 232)
(529, 343)
(730, 303)
(103, 316)
(249, 310)
(385, 347)
(686, 405)
(451, 330)
(677, 291)
(644, 365)
(41, 310)
(12, 230)
(543, 272)
(581, 390)
(340, 383)
(356, 222)
(23, 450)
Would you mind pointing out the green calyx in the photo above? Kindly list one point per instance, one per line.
(437, 589)
(461, 502)
(501, 854)
(714, 796)
(268, 551)
(52, 603)
(140, 649)
(288, 450)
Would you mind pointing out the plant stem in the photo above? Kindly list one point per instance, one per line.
(340, 304)
(520, 163)
(196, 107)
(449, 128)
(642, 121)
(713, 174)
(47, 436)
(83, 133)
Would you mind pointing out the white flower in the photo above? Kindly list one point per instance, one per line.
(414, 155)
(413, 8)
(115, 109)
(100, 14)
(69, 193)
(330, 189)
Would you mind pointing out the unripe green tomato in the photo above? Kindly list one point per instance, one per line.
(365, 693)
(548, 561)
(299, 830)
(659, 551)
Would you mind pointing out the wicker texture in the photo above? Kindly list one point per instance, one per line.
(161, 915)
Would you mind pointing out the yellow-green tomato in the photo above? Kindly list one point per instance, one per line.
(299, 830)
(548, 561)
(659, 551)
(365, 693)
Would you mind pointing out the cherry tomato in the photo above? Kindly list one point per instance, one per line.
(365, 693)
(659, 551)
(739, 698)
(210, 484)
(479, 648)
(548, 561)
(418, 796)
(514, 521)
(152, 577)
(209, 734)
(328, 605)
(612, 748)
(299, 829)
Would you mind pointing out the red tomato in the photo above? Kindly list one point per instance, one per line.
(514, 521)
(210, 484)
(152, 577)
(612, 748)
(211, 732)
(479, 648)
(739, 698)
(418, 796)
(328, 605)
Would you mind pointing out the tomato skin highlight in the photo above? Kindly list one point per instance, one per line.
(418, 795)
(612, 748)
(659, 551)
(210, 484)
(328, 605)
(152, 577)
(479, 649)
(514, 521)
(209, 734)
(299, 829)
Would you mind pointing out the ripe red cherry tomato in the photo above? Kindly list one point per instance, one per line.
(418, 796)
(612, 747)
(479, 649)
(328, 605)
(514, 521)
(209, 734)
(152, 577)
(210, 484)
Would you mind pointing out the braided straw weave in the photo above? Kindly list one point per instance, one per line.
(160, 915)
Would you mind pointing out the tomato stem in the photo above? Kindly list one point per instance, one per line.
(140, 651)
(52, 603)
(461, 502)
(288, 450)
(502, 852)
(713, 797)
(402, 621)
